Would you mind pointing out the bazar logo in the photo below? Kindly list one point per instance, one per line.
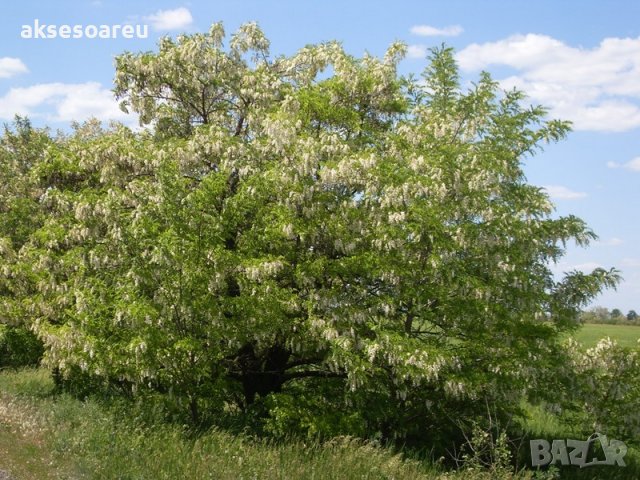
(576, 452)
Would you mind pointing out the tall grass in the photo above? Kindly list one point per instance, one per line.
(541, 423)
(97, 439)
(109, 443)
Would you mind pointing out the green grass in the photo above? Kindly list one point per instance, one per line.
(103, 442)
(45, 435)
(24, 450)
(543, 424)
(625, 335)
(22, 455)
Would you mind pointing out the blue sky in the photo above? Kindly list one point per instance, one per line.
(580, 58)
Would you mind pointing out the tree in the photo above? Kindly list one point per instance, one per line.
(21, 215)
(632, 316)
(596, 315)
(308, 235)
(616, 313)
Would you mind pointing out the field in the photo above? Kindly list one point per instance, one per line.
(625, 335)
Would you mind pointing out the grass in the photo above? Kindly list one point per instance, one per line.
(24, 456)
(45, 435)
(625, 335)
(541, 423)
(24, 450)
(92, 440)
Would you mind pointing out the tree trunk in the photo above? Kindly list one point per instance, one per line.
(261, 374)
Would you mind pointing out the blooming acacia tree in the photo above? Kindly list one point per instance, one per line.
(308, 231)
(20, 216)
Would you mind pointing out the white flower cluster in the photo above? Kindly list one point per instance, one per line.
(263, 270)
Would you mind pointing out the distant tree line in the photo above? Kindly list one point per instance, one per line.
(614, 316)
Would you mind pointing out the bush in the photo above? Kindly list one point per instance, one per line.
(19, 347)
(605, 389)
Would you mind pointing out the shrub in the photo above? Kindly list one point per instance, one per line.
(19, 347)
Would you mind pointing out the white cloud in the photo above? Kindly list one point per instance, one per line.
(170, 19)
(559, 269)
(633, 164)
(10, 67)
(597, 88)
(63, 102)
(417, 51)
(429, 31)
(631, 262)
(559, 192)
(586, 267)
(612, 242)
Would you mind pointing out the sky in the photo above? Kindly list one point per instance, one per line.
(579, 58)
